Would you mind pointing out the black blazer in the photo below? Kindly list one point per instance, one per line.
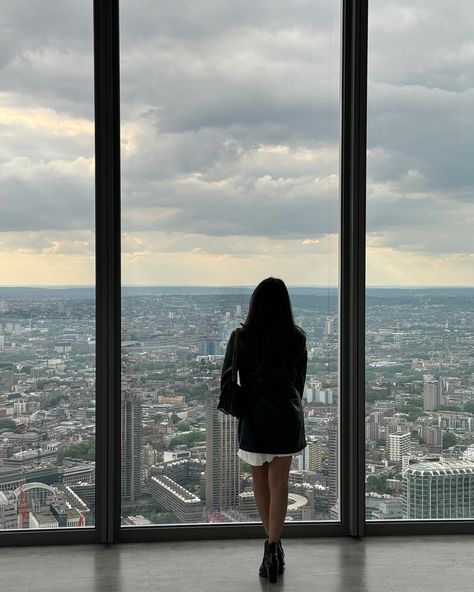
(274, 422)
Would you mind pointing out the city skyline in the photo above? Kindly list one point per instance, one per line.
(179, 453)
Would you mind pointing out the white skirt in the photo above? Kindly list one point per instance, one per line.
(259, 458)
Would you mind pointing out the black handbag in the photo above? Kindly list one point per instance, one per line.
(233, 397)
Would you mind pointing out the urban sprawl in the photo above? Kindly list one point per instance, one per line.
(179, 458)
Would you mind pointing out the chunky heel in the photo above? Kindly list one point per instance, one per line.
(271, 561)
(281, 558)
(272, 573)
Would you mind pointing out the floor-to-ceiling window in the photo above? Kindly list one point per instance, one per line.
(230, 173)
(47, 299)
(420, 321)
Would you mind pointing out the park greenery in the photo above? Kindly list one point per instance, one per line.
(377, 483)
(449, 439)
(82, 450)
(188, 438)
(9, 425)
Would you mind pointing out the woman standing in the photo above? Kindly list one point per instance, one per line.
(272, 359)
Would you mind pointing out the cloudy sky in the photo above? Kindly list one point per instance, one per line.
(230, 142)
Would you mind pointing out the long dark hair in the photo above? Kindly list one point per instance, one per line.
(270, 318)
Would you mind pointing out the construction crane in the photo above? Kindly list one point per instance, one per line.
(449, 351)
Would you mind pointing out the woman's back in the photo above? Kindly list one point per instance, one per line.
(271, 360)
(270, 368)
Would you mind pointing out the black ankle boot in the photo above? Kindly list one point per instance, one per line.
(271, 561)
(281, 561)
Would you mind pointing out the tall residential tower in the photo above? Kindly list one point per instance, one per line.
(222, 462)
(131, 446)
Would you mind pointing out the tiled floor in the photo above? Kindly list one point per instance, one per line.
(341, 564)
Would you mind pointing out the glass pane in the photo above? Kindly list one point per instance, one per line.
(420, 267)
(47, 293)
(230, 158)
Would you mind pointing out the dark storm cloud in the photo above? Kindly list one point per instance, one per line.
(420, 126)
(46, 199)
(222, 87)
(257, 71)
(258, 211)
(189, 22)
(46, 111)
(434, 222)
(46, 54)
(427, 130)
(285, 119)
(421, 44)
(416, 115)
(206, 85)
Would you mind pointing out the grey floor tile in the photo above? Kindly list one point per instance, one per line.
(330, 564)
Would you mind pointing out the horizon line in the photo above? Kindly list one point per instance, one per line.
(335, 286)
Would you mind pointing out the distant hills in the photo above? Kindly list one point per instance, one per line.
(89, 291)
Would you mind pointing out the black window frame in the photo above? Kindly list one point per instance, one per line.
(352, 286)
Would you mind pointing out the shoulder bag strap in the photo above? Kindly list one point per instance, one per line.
(234, 356)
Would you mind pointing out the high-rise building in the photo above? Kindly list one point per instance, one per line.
(398, 446)
(433, 436)
(372, 429)
(222, 462)
(333, 458)
(248, 506)
(131, 445)
(310, 458)
(431, 395)
(208, 346)
(438, 489)
(328, 326)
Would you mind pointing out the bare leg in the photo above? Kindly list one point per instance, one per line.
(262, 492)
(278, 472)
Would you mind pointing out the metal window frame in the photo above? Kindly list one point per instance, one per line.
(108, 268)
(108, 295)
(353, 108)
(108, 303)
(352, 261)
(352, 286)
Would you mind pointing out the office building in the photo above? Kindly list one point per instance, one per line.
(431, 394)
(310, 459)
(222, 462)
(171, 497)
(131, 426)
(438, 489)
(398, 446)
(333, 463)
(432, 437)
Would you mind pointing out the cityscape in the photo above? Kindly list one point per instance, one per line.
(179, 454)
